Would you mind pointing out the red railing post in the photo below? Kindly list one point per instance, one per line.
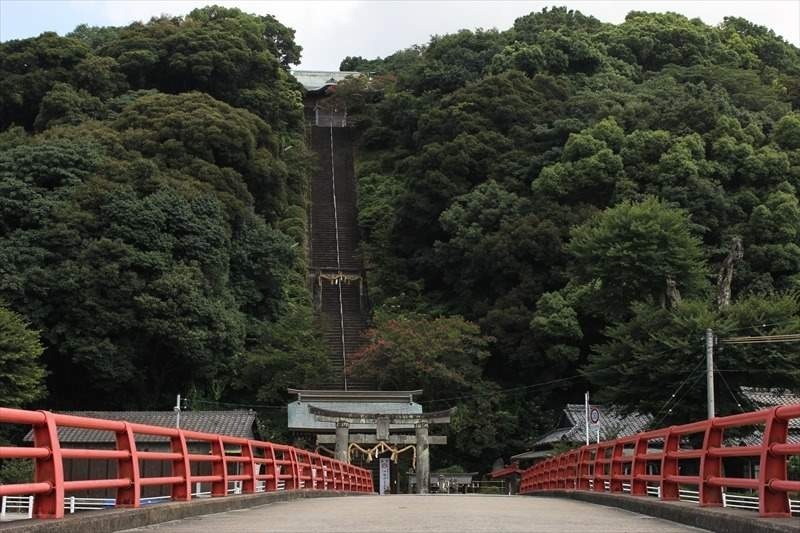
(350, 477)
(320, 471)
(49, 469)
(669, 465)
(294, 481)
(271, 467)
(181, 467)
(616, 466)
(710, 466)
(639, 467)
(128, 468)
(773, 467)
(334, 476)
(583, 469)
(569, 472)
(250, 469)
(558, 470)
(312, 459)
(219, 468)
(598, 485)
(546, 473)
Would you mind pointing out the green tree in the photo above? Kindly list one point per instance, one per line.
(21, 372)
(787, 131)
(660, 352)
(442, 355)
(630, 251)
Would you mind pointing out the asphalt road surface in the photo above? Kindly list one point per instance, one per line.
(412, 514)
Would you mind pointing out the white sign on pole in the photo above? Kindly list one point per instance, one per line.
(594, 418)
(384, 475)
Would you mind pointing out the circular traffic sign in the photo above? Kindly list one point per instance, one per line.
(594, 415)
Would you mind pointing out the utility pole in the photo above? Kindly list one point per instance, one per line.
(586, 417)
(177, 410)
(710, 372)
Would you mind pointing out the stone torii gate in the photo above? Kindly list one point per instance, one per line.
(386, 420)
(421, 440)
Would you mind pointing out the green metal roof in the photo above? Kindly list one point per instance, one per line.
(314, 80)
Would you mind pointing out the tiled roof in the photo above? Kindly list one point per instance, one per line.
(314, 80)
(238, 423)
(762, 398)
(613, 423)
(508, 470)
(770, 397)
(533, 454)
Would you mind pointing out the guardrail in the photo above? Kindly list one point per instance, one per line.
(258, 462)
(22, 506)
(657, 459)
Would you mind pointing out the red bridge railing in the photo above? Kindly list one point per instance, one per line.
(660, 458)
(272, 464)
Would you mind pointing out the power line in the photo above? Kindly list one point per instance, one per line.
(682, 384)
(254, 405)
(697, 378)
(498, 392)
(730, 390)
(541, 384)
(761, 339)
(512, 389)
(751, 371)
(753, 326)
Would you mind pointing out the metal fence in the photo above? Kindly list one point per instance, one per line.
(20, 507)
(255, 464)
(652, 461)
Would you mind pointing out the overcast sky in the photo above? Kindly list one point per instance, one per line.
(330, 30)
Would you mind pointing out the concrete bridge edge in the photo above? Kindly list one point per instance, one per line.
(709, 518)
(122, 518)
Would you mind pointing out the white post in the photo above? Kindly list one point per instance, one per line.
(30, 506)
(598, 434)
(710, 372)
(197, 488)
(3, 507)
(72, 505)
(177, 410)
(586, 406)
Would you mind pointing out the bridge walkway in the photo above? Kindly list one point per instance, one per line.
(424, 513)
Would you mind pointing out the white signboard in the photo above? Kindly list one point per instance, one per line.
(384, 475)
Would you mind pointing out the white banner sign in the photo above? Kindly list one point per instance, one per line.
(384, 475)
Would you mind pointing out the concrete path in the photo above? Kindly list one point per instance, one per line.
(412, 514)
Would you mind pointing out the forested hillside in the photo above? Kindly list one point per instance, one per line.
(577, 192)
(562, 205)
(153, 190)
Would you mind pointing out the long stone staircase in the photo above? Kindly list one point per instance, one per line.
(336, 267)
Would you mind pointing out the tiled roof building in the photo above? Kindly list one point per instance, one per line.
(612, 424)
(237, 423)
(763, 398)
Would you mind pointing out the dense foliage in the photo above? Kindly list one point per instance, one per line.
(545, 209)
(152, 217)
(21, 374)
(577, 189)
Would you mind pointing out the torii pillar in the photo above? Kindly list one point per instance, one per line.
(342, 452)
(423, 466)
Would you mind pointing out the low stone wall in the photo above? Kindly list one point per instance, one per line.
(710, 518)
(119, 519)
